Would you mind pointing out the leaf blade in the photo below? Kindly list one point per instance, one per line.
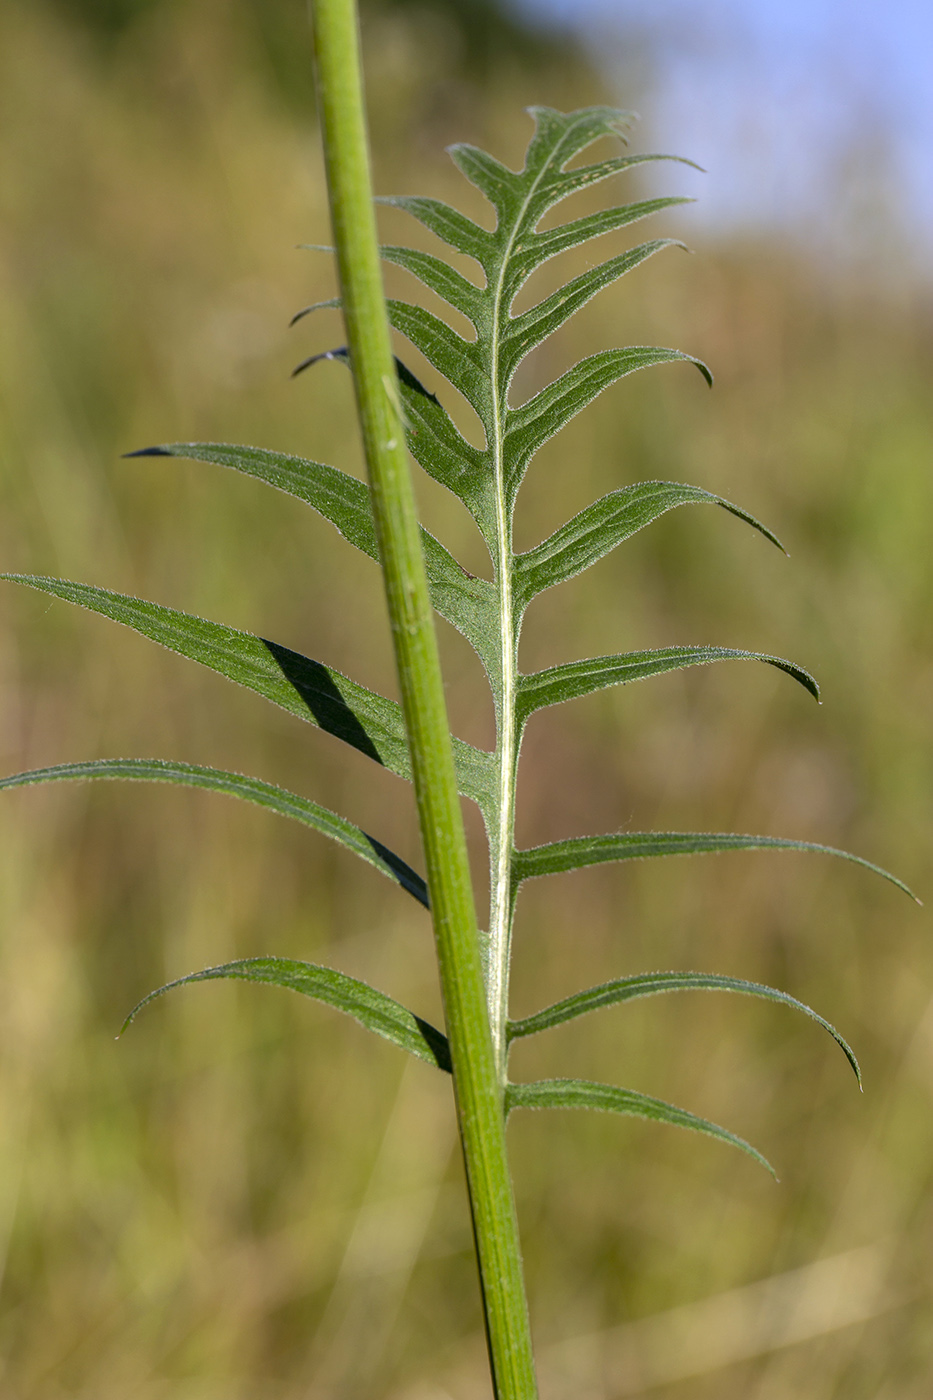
(584, 177)
(605, 524)
(456, 359)
(646, 984)
(371, 1008)
(439, 447)
(558, 137)
(545, 413)
(529, 328)
(578, 852)
(609, 1098)
(446, 222)
(255, 790)
(308, 689)
(313, 692)
(467, 603)
(563, 237)
(493, 179)
(439, 277)
(338, 497)
(574, 679)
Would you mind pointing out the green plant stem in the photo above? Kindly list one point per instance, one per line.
(478, 1088)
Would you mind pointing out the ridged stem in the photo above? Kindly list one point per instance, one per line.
(478, 1092)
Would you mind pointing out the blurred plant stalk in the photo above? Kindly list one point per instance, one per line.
(478, 1089)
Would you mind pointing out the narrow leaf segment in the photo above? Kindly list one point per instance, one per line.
(308, 689)
(467, 602)
(580, 851)
(609, 1098)
(606, 524)
(649, 984)
(577, 678)
(267, 795)
(373, 1009)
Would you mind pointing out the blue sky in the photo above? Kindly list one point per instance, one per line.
(816, 116)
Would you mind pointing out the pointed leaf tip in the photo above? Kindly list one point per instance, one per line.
(340, 353)
(148, 452)
(411, 381)
(331, 304)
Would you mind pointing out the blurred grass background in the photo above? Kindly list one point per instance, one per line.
(246, 1197)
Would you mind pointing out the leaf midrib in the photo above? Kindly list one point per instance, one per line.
(502, 906)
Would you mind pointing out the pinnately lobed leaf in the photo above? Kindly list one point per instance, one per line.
(488, 612)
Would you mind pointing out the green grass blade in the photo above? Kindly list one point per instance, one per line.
(373, 1009)
(580, 851)
(558, 684)
(543, 415)
(468, 603)
(267, 795)
(608, 1098)
(649, 984)
(604, 525)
